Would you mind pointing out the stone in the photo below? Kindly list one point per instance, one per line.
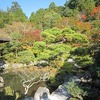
(31, 63)
(41, 63)
(75, 78)
(70, 60)
(42, 93)
(1, 82)
(17, 65)
(2, 63)
(61, 93)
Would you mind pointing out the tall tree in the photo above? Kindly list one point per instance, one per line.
(50, 19)
(57, 9)
(52, 6)
(32, 17)
(4, 18)
(74, 7)
(17, 13)
(70, 8)
(38, 18)
(82, 5)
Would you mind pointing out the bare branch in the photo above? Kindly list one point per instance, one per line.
(28, 79)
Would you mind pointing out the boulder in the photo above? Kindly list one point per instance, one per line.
(1, 82)
(42, 94)
(2, 63)
(70, 60)
(61, 93)
(41, 63)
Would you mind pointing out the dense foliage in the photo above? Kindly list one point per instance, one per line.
(66, 38)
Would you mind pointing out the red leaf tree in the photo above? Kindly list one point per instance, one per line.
(95, 13)
(30, 37)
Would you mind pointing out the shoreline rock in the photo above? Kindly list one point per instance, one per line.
(42, 93)
(61, 93)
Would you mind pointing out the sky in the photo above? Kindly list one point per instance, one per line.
(29, 6)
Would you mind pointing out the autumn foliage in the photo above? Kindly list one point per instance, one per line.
(83, 17)
(83, 26)
(96, 13)
(62, 23)
(31, 36)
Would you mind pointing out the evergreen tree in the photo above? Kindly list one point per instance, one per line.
(82, 5)
(17, 13)
(4, 18)
(32, 17)
(52, 5)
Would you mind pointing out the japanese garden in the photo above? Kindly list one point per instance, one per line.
(54, 48)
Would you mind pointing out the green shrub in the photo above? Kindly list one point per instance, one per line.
(84, 61)
(39, 46)
(68, 67)
(25, 56)
(9, 91)
(81, 51)
(75, 91)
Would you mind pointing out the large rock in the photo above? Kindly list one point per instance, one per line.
(61, 93)
(1, 82)
(41, 63)
(42, 94)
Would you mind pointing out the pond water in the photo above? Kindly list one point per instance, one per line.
(13, 80)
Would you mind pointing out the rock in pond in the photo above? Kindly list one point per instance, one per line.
(60, 94)
(42, 94)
